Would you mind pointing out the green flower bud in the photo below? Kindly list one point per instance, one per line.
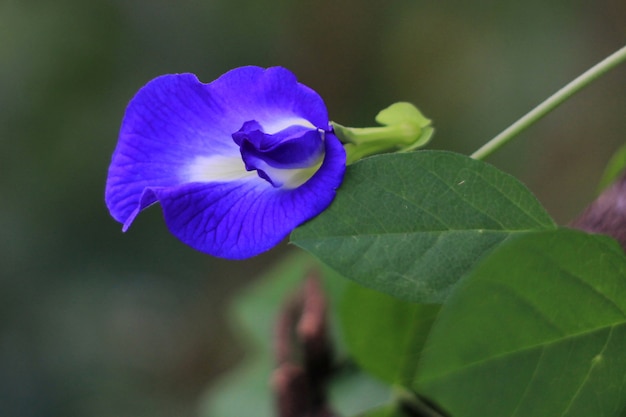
(404, 128)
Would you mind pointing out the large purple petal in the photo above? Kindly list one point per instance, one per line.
(176, 147)
(269, 96)
(240, 219)
(167, 123)
(176, 119)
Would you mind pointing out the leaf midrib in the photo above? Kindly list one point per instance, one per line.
(416, 232)
(528, 348)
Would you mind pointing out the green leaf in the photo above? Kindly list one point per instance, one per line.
(538, 329)
(614, 168)
(412, 224)
(384, 334)
(355, 392)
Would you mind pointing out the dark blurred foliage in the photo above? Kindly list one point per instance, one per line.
(94, 322)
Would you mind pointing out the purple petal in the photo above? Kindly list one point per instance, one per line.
(269, 96)
(176, 147)
(166, 124)
(240, 219)
(176, 118)
(294, 147)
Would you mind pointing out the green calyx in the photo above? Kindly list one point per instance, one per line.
(404, 128)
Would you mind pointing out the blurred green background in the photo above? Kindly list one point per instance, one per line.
(98, 323)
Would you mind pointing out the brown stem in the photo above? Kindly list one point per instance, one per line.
(304, 354)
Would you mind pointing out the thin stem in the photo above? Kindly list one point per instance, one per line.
(412, 405)
(551, 103)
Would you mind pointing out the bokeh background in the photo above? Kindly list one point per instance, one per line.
(98, 323)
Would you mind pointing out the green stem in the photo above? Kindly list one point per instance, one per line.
(551, 103)
(391, 135)
(411, 405)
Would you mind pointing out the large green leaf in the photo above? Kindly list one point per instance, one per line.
(385, 334)
(412, 224)
(537, 329)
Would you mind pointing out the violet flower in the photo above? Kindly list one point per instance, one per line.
(236, 164)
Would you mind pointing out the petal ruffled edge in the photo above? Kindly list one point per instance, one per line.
(272, 96)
